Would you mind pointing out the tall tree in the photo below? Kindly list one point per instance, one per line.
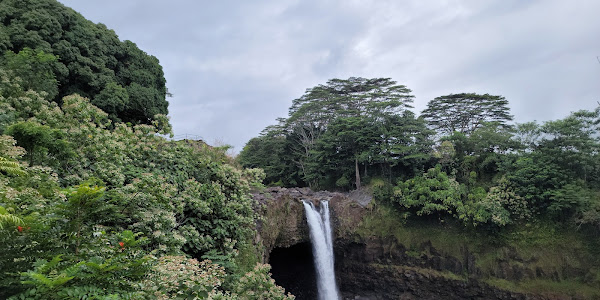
(350, 97)
(573, 144)
(483, 151)
(560, 164)
(356, 97)
(341, 148)
(466, 112)
(272, 152)
(404, 142)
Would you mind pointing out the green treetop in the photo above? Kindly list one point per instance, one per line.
(75, 56)
(465, 112)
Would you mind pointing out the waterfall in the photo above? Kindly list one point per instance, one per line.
(322, 245)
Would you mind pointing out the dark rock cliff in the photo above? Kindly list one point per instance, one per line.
(375, 270)
(371, 267)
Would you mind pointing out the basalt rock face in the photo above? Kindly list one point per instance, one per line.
(284, 221)
(367, 282)
(380, 269)
(375, 268)
(388, 251)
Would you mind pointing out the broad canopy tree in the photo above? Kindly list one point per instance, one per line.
(336, 130)
(349, 104)
(466, 112)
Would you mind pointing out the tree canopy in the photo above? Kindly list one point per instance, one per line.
(60, 52)
(465, 112)
(461, 159)
(339, 130)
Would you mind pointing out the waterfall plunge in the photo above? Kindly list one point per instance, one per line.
(322, 244)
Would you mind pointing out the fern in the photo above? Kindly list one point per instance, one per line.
(44, 266)
(10, 167)
(51, 281)
(105, 267)
(44, 275)
(81, 292)
(8, 219)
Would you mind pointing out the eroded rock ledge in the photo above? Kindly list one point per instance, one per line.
(284, 223)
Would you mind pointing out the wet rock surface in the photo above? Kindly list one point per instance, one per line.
(284, 222)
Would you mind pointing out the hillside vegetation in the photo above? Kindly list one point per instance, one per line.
(95, 208)
(55, 50)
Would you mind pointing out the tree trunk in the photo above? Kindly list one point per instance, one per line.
(357, 173)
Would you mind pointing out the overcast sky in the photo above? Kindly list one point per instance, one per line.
(235, 66)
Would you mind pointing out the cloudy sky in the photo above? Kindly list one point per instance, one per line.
(235, 66)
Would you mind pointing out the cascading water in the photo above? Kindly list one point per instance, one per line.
(322, 245)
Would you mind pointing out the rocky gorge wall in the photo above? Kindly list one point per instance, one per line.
(385, 266)
(283, 222)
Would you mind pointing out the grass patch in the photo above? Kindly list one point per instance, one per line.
(427, 272)
(547, 287)
(384, 221)
(248, 256)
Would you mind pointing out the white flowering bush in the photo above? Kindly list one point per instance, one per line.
(111, 178)
(502, 194)
(181, 277)
(258, 284)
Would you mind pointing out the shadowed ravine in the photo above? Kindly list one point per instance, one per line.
(293, 268)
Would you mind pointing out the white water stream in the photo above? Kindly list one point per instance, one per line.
(322, 245)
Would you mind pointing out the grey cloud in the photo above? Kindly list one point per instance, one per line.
(234, 66)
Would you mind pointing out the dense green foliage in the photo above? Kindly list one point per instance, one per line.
(70, 213)
(460, 160)
(94, 208)
(90, 209)
(465, 112)
(340, 132)
(55, 50)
